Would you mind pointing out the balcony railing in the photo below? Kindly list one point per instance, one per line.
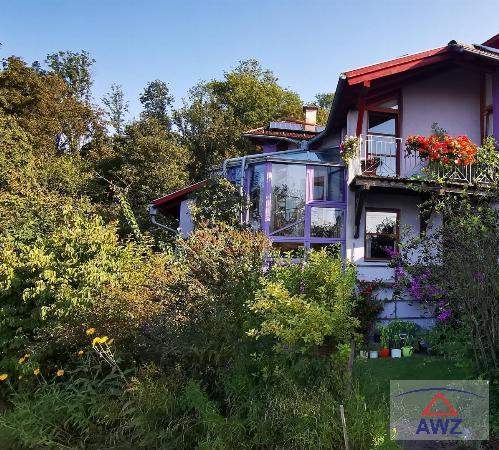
(385, 156)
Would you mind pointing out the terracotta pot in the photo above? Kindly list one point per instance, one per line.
(384, 353)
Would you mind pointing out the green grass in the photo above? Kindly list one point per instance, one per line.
(374, 375)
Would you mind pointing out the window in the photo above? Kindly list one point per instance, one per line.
(256, 199)
(381, 232)
(287, 215)
(488, 122)
(328, 183)
(326, 222)
(382, 144)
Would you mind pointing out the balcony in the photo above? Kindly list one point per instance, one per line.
(385, 157)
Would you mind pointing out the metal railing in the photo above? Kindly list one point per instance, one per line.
(385, 156)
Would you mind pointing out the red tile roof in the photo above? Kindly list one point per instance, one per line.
(174, 199)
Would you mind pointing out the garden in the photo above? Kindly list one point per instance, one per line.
(115, 335)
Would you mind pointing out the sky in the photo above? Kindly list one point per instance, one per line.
(306, 43)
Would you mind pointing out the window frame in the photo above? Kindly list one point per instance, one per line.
(372, 105)
(397, 230)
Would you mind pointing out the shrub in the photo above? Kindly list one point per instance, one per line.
(301, 305)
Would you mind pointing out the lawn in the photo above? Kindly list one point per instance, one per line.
(373, 377)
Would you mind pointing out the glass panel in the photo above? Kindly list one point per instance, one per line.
(328, 183)
(382, 123)
(234, 174)
(381, 222)
(293, 249)
(330, 155)
(288, 199)
(389, 104)
(326, 222)
(376, 246)
(255, 195)
(331, 249)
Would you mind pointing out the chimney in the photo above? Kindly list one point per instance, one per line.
(310, 115)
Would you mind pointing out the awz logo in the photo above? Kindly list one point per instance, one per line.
(439, 426)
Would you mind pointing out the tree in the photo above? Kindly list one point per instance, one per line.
(75, 69)
(146, 162)
(117, 107)
(156, 100)
(323, 102)
(217, 112)
(43, 106)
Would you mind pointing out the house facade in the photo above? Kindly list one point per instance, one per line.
(301, 193)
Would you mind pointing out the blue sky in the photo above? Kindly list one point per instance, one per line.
(306, 43)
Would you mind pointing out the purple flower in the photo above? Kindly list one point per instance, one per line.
(444, 314)
(392, 252)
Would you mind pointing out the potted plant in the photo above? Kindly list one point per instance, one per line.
(363, 354)
(349, 148)
(384, 352)
(396, 351)
(408, 344)
(370, 166)
(373, 350)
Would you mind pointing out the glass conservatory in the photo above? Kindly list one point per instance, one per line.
(297, 198)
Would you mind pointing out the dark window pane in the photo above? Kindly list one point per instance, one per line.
(293, 249)
(376, 246)
(331, 249)
(381, 222)
(288, 199)
(328, 183)
(326, 222)
(255, 195)
(384, 123)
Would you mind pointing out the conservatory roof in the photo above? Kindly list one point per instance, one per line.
(289, 129)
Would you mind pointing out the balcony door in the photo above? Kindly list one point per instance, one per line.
(382, 140)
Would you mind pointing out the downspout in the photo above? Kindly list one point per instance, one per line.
(153, 212)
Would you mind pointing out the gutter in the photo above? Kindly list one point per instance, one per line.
(153, 212)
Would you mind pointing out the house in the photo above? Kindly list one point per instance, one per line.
(302, 194)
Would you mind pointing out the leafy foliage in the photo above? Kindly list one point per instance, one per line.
(217, 112)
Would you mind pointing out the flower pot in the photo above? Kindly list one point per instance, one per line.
(396, 353)
(370, 166)
(363, 354)
(384, 353)
(407, 351)
(373, 354)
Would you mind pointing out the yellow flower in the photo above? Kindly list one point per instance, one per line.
(36, 371)
(3, 377)
(21, 360)
(60, 373)
(99, 340)
(80, 353)
(110, 341)
(90, 331)
(26, 356)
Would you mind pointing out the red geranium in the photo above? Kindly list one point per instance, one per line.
(443, 148)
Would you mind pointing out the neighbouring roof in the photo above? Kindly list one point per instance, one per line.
(290, 129)
(174, 199)
(388, 74)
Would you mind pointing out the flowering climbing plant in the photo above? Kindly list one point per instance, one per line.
(349, 147)
(442, 148)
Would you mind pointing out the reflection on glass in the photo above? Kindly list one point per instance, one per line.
(234, 174)
(377, 245)
(381, 233)
(292, 249)
(328, 183)
(326, 222)
(256, 199)
(384, 222)
(288, 200)
(383, 123)
(331, 249)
